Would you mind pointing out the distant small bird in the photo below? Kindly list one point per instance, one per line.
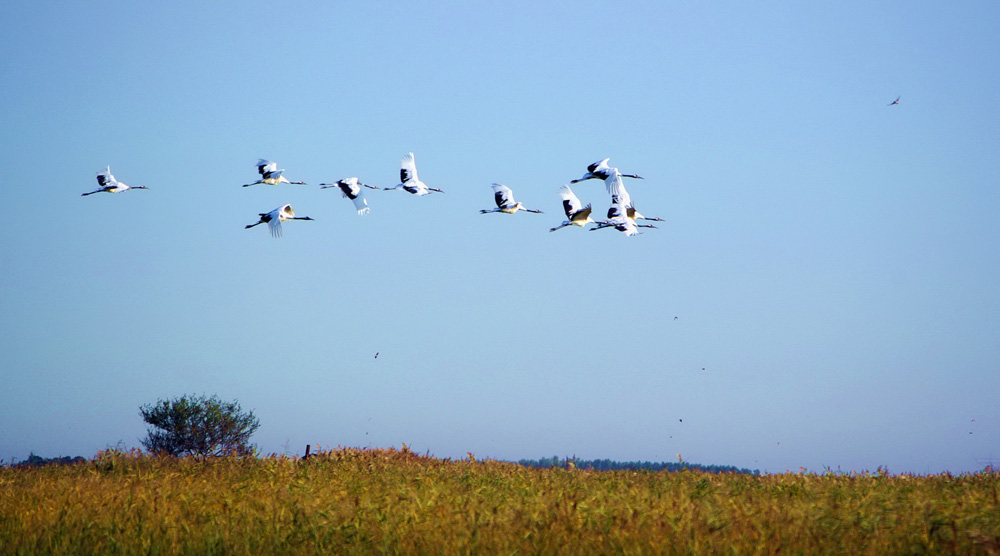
(576, 213)
(506, 204)
(894, 102)
(276, 217)
(409, 180)
(109, 184)
(675, 318)
(376, 357)
(351, 188)
(271, 175)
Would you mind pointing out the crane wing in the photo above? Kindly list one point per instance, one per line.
(360, 203)
(616, 187)
(593, 167)
(349, 188)
(352, 183)
(104, 177)
(503, 195)
(617, 217)
(277, 215)
(264, 166)
(274, 225)
(571, 203)
(581, 215)
(408, 168)
(616, 211)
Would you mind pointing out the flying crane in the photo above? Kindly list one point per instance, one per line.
(576, 213)
(619, 220)
(600, 171)
(506, 204)
(618, 213)
(109, 184)
(351, 188)
(271, 175)
(409, 180)
(274, 219)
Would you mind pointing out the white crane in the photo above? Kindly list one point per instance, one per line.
(616, 186)
(622, 214)
(601, 171)
(271, 175)
(276, 217)
(109, 184)
(577, 214)
(506, 204)
(614, 182)
(619, 220)
(351, 188)
(408, 176)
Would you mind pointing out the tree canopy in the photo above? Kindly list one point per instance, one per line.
(198, 425)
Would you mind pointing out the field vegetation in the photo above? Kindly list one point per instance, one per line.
(388, 501)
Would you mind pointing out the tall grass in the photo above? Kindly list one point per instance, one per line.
(351, 501)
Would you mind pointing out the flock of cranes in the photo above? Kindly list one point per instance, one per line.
(621, 215)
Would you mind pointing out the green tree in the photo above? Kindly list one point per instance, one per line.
(198, 425)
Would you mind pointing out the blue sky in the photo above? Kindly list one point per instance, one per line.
(831, 261)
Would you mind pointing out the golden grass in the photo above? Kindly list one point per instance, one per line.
(352, 501)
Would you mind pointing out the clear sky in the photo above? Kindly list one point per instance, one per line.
(823, 294)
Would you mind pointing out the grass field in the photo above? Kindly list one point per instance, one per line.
(353, 501)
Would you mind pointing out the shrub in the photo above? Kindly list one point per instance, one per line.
(198, 425)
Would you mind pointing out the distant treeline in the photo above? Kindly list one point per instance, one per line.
(610, 465)
(34, 461)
